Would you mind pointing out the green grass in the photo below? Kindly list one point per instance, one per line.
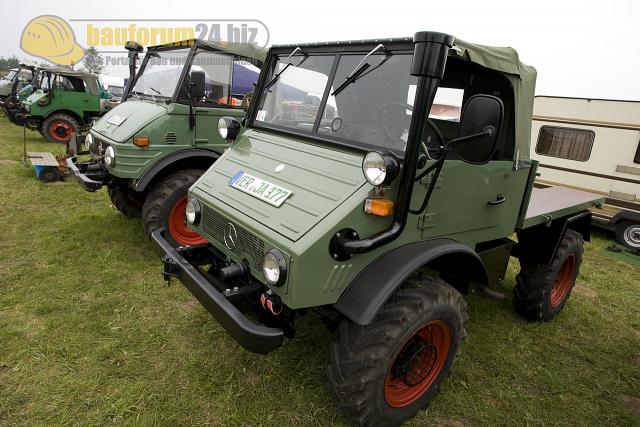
(89, 335)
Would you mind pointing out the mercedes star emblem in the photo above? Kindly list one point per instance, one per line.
(230, 236)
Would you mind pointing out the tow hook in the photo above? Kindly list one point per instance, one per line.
(271, 302)
(170, 268)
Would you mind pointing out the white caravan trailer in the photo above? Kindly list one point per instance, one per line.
(592, 144)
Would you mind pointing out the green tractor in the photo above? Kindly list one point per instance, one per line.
(376, 183)
(64, 103)
(150, 149)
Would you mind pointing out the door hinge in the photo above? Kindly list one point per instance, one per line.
(427, 220)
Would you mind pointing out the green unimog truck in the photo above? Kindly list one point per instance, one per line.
(65, 102)
(150, 149)
(378, 208)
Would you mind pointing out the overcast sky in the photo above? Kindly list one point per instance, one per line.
(580, 48)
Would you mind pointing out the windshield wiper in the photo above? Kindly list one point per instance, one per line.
(277, 76)
(156, 91)
(357, 71)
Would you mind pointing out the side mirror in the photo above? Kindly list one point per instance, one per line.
(480, 128)
(197, 84)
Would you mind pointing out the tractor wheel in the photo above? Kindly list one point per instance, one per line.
(628, 234)
(126, 200)
(542, 290)
(383, 373)
(59, 127)
(165, 207)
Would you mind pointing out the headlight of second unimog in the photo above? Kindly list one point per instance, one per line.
(192, 211)
(88, 143)
(110, 156)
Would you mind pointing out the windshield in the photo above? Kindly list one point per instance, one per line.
(116, 90)
(160, 74)
(11, 75)
(369, 110)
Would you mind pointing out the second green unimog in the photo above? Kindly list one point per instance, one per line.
(152, 147)
(378, 181)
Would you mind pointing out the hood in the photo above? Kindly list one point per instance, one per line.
(124, 121)
(319, 179)
(34, 97)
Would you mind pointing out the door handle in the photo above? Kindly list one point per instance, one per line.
(499, 199)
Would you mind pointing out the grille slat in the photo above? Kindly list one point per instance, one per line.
(248, 246)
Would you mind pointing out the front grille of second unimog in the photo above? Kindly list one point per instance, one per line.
(248, 245)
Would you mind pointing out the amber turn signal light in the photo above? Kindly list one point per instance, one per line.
(379, 207)
(141, 141)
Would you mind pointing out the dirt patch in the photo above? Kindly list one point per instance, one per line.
(6, 162)
(587, 292)
(631, 404)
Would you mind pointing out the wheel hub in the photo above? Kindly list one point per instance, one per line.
(415, 361)
(60, 130)
(564, 280)
(418, 363)
(632, 236)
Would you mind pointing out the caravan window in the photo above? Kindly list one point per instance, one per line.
(566, 143)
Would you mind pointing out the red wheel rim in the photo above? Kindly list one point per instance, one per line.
(178, 225)
(563, 282)
(428, 348)
(60, 130)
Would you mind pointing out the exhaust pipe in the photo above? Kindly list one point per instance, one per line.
(134, 49)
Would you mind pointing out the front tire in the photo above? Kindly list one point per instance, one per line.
(165, 207)
(126, 200)
(542, 290)
(58, 128)
(628, 234)
(383, 373)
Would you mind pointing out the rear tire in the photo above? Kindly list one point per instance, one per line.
(542, 290)
(628, 234)
(164, 207)
(59, 127)
(383, 373)
(126, 200)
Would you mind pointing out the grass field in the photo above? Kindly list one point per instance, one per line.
(90, 335)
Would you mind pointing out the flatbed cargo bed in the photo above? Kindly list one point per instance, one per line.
(547, 204)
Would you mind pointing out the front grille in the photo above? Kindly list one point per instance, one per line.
(248, 246)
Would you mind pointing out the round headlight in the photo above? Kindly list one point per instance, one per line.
(192, 211)
(223, 130)
(88, 142)
(274, 267)
(380, 167)
(228, 128)
(110, 156)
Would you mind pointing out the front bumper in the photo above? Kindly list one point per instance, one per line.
(91, 175)
(219, 298)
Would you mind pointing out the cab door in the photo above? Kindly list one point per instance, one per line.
(221, 70)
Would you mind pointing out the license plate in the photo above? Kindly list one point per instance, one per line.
(259, 188)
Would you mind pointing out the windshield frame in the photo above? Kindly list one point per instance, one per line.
(194, 49)
(402, 46)
(145, 61)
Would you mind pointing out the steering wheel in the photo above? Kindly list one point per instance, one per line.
(389, 131)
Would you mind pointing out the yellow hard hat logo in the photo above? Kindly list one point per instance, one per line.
(51, 37)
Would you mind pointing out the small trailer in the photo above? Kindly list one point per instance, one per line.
(592, 145)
